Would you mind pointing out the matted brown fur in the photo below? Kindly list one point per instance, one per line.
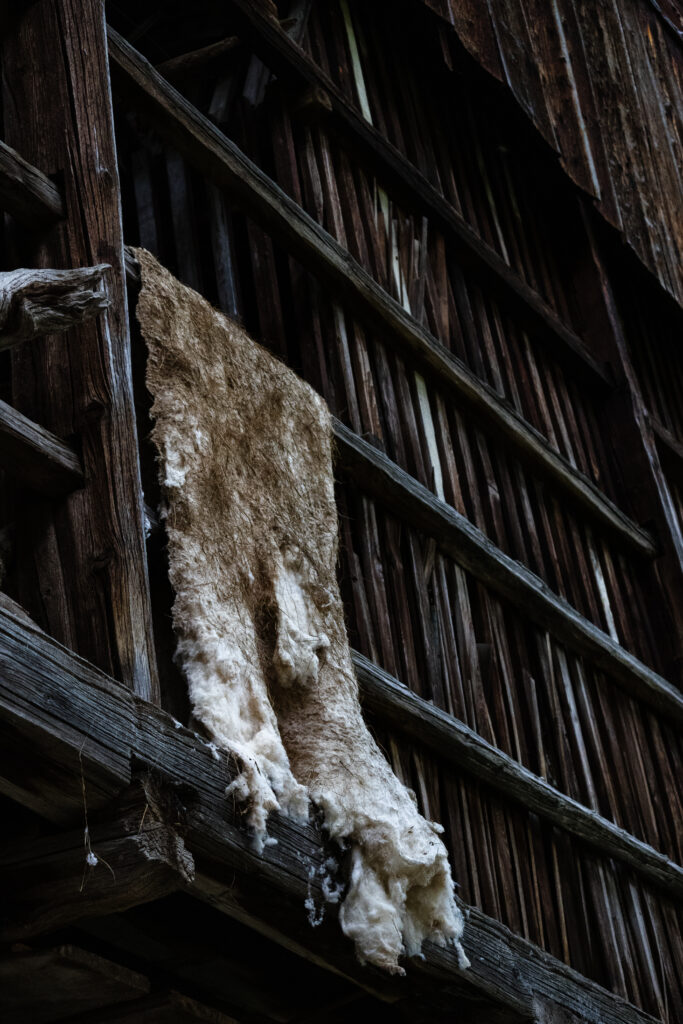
(245, 460)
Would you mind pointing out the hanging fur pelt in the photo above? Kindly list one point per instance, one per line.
(246, 468)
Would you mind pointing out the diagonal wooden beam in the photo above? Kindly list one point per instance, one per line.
(224, 164)
(292, 65)
(371, 470)
(26, 193)
(68, 710)
(36, 457)
(451, 739)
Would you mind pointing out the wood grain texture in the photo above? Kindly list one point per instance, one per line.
(92, 591)
(63, 981)
(112, 727)
(283, 56)
(451, 739)
(222, 162)
(35, 457)
(26, 193)
(38, 302)
(619, 66)
(371, 470)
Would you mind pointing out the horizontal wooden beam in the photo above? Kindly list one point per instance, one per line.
(407, 499)
(26, 193)
(68, 711)
(449, 738)
(132, 855)
(292, 65)
(35, 457)
(223, 163)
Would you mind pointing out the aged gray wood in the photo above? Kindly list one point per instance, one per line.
(26, 193)
(84, 565)
(198, 60)
(452, 739)
(291, 64)
(138, 856)
(223, 163)
(61, 706)
(61, 720)
(35, 457)
(468, 546)
(38, 302)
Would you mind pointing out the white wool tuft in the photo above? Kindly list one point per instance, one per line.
(245, 452)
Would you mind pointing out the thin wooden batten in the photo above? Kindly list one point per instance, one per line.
(450, 738)
(37, 458)
(469, 547)
(223, 163)
(291, 63)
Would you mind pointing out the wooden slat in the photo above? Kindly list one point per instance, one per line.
(671, 449)
(45, 985)
(410, 501)
(198, 60)
(223, 163)
(137, 856)
(84, 567)
(26, 193)
(35, 457)
(455, 741)
(290, 63)
(47, 687)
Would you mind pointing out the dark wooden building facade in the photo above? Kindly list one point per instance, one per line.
(460, 223)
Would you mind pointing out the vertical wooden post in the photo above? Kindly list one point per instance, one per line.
(83, 561)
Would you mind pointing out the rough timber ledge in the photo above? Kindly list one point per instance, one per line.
(223, 163)
(59, 717)
(469, 547)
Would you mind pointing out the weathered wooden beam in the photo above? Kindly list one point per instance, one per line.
(292, 65)
(223, 163)
(158, 1008)
(190, 63)
(35, 457)
(61, 722)
(84, 565)
(638, 454)
(66, 711)
(26, 193)
(129, 855)
(62, 983)
(411, 502)
(451, 739)
(37, 302)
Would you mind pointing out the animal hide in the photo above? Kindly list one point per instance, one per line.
(245, 462)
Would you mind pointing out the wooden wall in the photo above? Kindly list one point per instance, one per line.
(602, 82)
(412, 609)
